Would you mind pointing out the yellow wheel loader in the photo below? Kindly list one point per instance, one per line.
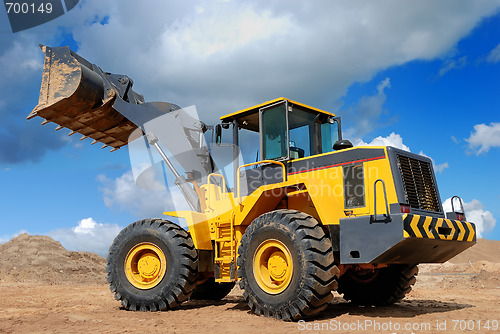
(310, 215)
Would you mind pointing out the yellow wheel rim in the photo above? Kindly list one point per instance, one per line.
(273, 266)
(145, 265)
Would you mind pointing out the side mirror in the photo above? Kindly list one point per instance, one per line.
(218, 134)
(342, 145)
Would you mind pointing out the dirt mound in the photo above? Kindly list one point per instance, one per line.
(478, 266)
(471, 268)
(28, 258)
(487, 250)
(481, 261)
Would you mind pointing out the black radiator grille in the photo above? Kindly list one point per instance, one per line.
(418, 182)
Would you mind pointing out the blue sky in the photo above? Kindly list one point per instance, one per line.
(423, 74)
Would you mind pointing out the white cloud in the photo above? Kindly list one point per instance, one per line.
(475, 213)
(19, 59)
(494, 55)
(484, 137)
(438, 168)
(88, 235)
(393, 139)
(452, 64)
(86, 226)
(123, 193)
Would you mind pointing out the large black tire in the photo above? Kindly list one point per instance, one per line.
(384, 286)
(313, 272)
(180, 271)
(211, 290)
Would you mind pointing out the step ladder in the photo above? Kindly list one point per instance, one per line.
(225, 252)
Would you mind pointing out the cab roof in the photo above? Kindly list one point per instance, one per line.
(249, 118)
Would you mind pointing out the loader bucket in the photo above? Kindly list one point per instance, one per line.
(79, 96)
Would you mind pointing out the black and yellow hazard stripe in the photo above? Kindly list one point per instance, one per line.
(417, 226)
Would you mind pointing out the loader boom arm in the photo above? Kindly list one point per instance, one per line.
(78, 95)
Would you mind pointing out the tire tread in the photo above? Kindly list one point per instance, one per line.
(185, 283)
(321, 271)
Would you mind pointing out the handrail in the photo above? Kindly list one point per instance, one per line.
(461, 204)
(208, 190)
(223, 180)
(258, 163)
(388, 215)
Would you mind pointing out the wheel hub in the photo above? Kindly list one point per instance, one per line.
(273, 266)
(145, 265)
(277, 266)
(149, 265)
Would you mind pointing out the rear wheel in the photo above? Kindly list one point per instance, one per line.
(211, 290)
(152, 265)
(383, 286)
(286, 265)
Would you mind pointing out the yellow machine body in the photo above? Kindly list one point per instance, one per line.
(315, 185)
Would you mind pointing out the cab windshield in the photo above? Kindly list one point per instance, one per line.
(293, 132)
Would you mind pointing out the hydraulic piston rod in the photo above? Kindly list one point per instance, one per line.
(181, 182)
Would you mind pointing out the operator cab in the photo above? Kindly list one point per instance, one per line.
(287, 129)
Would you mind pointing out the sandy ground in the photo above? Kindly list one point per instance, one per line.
(457, 297)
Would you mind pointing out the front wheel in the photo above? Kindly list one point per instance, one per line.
(286, 265)
(152, 265)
